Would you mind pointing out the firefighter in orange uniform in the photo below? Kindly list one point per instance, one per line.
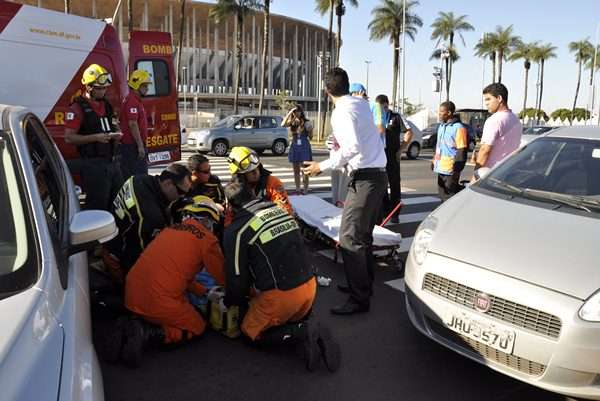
(156, 286)
(245, 163)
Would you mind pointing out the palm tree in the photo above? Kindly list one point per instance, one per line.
(340, 8)
(322, 7)
(263, 61)
(540, 55)
(67, 6)
(486, 48)
(239, 9)
(583, 50)
(524, 51)
(387, 23)
(445, 27)
(588, 65)
(504, 41)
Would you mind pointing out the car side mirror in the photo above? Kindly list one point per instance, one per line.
(90, 228)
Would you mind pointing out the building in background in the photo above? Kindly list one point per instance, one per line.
(207, 64)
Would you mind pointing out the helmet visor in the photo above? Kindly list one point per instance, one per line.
(103, 80)
(248, 163)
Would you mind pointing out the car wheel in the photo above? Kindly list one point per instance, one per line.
(279, 147)
(413, 151)
(220, 147)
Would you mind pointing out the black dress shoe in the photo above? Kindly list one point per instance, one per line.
(350, 308)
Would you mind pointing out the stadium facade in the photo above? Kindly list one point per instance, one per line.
(208, 57)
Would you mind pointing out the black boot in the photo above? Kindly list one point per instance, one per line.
(329, 348)
(139, 335)
(301, 333)
(112, 343)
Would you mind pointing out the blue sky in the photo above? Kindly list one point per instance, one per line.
(555, 21)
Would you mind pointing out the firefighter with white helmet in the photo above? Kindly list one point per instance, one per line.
(134, 125)
(89, 126)
(157, 285)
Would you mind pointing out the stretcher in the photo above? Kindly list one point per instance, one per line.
(321, 220)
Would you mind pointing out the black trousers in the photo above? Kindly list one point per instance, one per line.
(392, 168)
(449, 185)
(356, 232)
(130, 164)
(101, 179)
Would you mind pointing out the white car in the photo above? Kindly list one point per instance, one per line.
(524, 297)
(46, 351)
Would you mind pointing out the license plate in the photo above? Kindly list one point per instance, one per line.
(489, 334)
(159, 156)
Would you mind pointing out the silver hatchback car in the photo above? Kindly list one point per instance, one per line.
(45, 335)
(256, 132)
(524, 297)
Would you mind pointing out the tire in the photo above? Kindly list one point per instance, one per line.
(279, 147)
(413, 151)
(220, 147)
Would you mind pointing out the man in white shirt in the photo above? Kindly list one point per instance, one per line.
(361, 149)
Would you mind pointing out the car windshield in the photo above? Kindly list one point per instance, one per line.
(14, 248)
(226, 122)
(561, 171)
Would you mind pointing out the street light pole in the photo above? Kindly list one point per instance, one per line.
(367, 62)
(403, 53)
(184, 91)
(320, 93)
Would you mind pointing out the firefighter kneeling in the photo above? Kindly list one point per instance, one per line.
(156, 286)
(266, 252)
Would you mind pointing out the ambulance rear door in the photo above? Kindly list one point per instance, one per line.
(153, 52)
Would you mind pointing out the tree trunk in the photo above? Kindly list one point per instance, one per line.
(330, 32)
(395, 76)
(537, 89)
(180, 47)
(449, 63)
(525, 92)
(67, 6)
(500, 57)
(493, 57)
(129, 17)
(541, 90)
(238, 61)
(339, 40)
(263, 62)
(576, 91)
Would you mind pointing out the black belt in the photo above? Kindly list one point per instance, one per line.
(367, 173)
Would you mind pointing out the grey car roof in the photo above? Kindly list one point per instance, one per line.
(579, 132)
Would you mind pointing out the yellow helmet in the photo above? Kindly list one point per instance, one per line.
(242, 160)
(139, 77)
(96, 75)
(201, 206)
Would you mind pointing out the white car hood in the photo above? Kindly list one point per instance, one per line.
(552, 249)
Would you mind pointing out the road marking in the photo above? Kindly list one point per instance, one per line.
(412, 217)
(397, 284)
(419, 200)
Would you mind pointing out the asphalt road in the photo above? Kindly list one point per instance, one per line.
(384, 357)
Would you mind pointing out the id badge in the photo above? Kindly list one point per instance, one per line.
(299, 142)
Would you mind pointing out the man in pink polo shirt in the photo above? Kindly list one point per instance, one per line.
(502, 130)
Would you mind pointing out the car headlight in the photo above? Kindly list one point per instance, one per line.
(422, 240)
(590, 311)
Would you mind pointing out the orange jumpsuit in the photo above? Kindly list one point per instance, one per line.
(156, 286)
